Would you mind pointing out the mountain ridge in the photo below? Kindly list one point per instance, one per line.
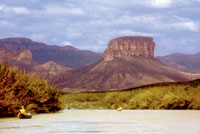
(189, 63)
(127, 62)
(121, 69)
(67, 56)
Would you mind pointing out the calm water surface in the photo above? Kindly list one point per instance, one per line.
(106, 122)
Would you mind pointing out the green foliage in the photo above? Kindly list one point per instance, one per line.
(17, 89)
(156, 96)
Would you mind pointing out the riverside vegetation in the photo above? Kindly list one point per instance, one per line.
(17, 89)
(185, 95)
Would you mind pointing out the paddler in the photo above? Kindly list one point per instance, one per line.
(119, 109)
(22, 111)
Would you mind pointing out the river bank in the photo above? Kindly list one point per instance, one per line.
(177, 95)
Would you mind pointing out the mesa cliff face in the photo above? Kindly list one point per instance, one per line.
(128, 62)
(130, 46)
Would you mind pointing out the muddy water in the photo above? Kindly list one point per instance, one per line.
(106, 122)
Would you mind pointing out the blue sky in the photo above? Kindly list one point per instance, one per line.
(91, 24)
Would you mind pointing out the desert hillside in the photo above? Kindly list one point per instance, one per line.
(128, 62)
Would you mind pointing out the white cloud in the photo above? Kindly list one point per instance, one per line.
(2, 7)
(178, 23)
(125, 20)
(161, 3)
(151, 25)
(66, 43)
(128, 32)
(55, 9)
(158, 22)
(20, 10)
(15, 10)
(153, 3)
(5, 23)
(136, 19)
(96, 47)
(190, 25)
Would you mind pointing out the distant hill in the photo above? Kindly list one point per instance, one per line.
(22, 60)
(67, 56)
(49, 70)
(184, 62)
(118, 74)
(128, 62)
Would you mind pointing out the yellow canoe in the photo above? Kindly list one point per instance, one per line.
(119, 109)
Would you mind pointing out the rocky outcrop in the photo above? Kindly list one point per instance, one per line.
(24, 55)
(49, 70)
(19, 59)
(130, 46)
(11, 56)
(128, 62)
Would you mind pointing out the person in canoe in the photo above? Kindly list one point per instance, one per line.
(119, 109)
(22, 113)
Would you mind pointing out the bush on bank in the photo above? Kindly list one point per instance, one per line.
(17, 89)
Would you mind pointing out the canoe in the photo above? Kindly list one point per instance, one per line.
(25, 116)
(119, 109)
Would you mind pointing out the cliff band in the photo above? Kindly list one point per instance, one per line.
(130, 46)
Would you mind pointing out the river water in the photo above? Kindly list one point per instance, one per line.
(106, 122)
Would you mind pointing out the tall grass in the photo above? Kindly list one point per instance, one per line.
(17, 89)
(157, 96)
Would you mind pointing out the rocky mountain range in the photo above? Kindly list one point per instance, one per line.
(128, 62)
(22, 60)
(67, 56)
(184, 62)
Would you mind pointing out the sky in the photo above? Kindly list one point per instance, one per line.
(91, 24)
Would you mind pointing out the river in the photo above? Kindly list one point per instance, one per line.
(106, 122)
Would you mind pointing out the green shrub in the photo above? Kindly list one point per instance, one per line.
(17, 89)
(156, 96)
